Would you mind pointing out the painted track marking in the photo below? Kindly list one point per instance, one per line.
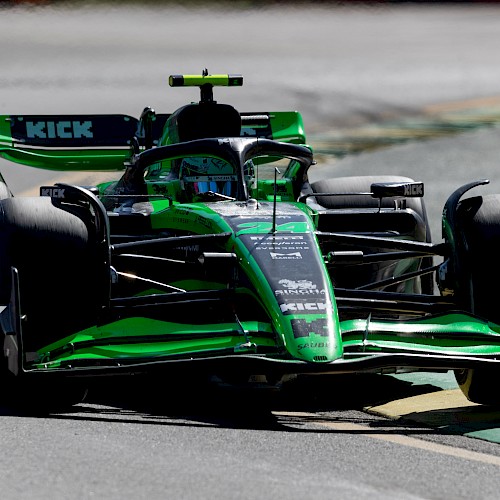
(400, 439)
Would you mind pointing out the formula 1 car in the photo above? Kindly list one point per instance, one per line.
(212, 254)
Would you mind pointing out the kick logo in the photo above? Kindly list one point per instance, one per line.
(59, 130)
(414, 189)
(291, 307)
(53, 192)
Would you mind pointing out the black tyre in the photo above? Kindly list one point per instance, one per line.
(480, 385)
(479, 221)
(54, 252)
(360, 184)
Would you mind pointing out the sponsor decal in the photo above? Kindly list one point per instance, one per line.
(280, 243)
(53, 192)
(296, 284)
(278, 239)
(414, 189)
(299, 287)
(59, 129)
(285, 265)
(286, 256)
(291, 307)
(313, 345)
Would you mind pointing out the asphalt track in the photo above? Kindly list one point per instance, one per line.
(387, 90)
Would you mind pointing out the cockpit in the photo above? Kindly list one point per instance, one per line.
(204, 177)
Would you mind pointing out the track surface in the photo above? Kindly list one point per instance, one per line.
(388, 72)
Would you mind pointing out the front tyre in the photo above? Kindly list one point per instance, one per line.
(54, 251)
(479, 221)
(480, 385)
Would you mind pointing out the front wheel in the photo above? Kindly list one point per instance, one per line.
(479, 222)
(54, 252)
(60, 277)
(480, 385)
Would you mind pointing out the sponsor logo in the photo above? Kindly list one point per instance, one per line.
(299, 287)
(313, 345)
(53, 192)
(271, 244)
(275, 239)
(284, 243)
(282, 246)
(59, 130)
(289, 244)
(414, 190)
(303, 307)
(293, 285)
(300, 291)
(286, 256)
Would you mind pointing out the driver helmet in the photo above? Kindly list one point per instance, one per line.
(201, 175)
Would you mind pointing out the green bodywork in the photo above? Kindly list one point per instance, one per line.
(449, 335)
(298, 336)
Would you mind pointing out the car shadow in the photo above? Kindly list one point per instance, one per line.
(153, 401)
(239, 405)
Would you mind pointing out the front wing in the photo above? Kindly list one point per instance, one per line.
(134, 345)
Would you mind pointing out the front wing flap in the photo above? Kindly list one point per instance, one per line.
(451, 341)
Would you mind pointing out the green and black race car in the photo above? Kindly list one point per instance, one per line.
(212, 254)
